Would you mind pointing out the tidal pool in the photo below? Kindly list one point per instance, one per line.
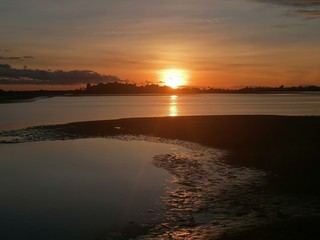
(80, 189)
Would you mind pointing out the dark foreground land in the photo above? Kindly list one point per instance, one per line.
(287, 146)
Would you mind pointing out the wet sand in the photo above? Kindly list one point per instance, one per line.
(285, 147)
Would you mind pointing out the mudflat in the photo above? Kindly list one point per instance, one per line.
(285, 147)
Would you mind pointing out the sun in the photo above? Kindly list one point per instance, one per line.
(174, 77)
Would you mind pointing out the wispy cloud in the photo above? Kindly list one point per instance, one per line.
(309, 13)
(298, 3)
(4, 50)
(15, 58)
(304, 8)
(13, 76)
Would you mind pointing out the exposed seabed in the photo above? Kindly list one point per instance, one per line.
(210, 199)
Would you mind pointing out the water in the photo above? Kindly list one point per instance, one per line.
(91, 188)
(109, 188)
(73, 109)
(79, 189)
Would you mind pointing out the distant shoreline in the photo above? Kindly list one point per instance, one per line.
(29, 96)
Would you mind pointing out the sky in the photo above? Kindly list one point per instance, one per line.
(64, 44)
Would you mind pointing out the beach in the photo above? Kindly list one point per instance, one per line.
(282, 147)
(283, 144)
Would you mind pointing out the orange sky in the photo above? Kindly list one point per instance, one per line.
(222, 44)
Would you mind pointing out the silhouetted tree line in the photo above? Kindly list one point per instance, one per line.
(125, 88)
(275, 89)
(121, 88)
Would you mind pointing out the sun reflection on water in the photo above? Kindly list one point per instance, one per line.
(173, 108)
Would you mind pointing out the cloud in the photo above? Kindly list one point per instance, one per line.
(297, 3)
(304, 8)
(309, 13)
(16, 58)
(13, 76)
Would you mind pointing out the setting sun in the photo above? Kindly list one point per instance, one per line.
(174, 77)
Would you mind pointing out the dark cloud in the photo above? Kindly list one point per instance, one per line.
(305, 8)
(13, 76)
(297, 3)
(310, 13)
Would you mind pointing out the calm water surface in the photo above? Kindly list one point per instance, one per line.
(73, 109)
(78, 189)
